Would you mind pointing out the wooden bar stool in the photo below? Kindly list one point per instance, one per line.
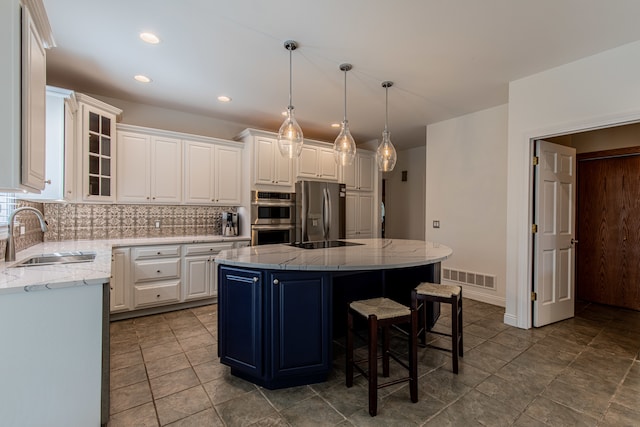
(382, 313)
(447, 294)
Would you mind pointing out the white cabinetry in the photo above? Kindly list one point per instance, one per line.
(200, 269)
(270, 169)
(149, 167)
(361, 174)
(359, 222)
(317, 162)
(156, 275)
(96, 134)
(213, 173)
(120, 295)
(26, 35)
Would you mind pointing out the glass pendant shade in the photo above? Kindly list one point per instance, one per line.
(290, 138)
(344, 148)
(386, 155)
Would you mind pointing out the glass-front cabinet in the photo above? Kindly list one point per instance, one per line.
(97, 132)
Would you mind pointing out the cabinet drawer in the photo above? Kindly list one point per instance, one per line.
(156, 294)
(205, 249)
(156, 251)
(157, 269)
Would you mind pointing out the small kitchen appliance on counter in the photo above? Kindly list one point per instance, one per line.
(229, 224)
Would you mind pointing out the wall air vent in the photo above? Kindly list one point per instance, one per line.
(482, 280)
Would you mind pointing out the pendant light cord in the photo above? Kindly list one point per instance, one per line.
(386, 107)
(345, 95)
(290, 80)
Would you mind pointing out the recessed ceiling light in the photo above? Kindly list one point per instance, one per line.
(149, 38)
(223, 98)
(335, 125)
(142, 79)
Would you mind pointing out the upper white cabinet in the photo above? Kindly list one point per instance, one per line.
(96, 135)
(26, 35)
(270, 168)
(361, 174)
(213, 173)
(317, 162)
(149, 166)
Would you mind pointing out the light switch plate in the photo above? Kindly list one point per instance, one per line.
(436, 223)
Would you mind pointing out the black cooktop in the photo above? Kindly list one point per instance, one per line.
(323, 244)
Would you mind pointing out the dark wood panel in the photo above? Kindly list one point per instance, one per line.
(608, 253)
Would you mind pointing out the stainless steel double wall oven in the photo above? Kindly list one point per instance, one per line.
(273, 217)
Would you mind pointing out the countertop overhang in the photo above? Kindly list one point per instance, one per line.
(97, 272)
(371, 254)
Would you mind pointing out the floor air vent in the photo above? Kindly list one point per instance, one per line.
(469, 278)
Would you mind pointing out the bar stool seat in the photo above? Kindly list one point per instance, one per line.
(447, 294)
(381, 313)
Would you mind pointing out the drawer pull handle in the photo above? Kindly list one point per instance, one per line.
(276, 281)
(255, 279)
(158, 271)
(159, 253)
(158, 296)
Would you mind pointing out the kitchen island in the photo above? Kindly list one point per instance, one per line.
(280, 306)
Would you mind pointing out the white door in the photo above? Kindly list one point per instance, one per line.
(554, 254)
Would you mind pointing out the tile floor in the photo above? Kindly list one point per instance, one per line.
(583, 371)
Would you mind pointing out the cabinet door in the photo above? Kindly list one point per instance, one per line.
(327, 166)
(308, 162)
(133, 167)
(349, 175)
(299, 329)
(98, 130)
(365, 216)
(197, 173)
(283, 168)
(351, 215)
(365, 178)
(264, 161)
(197, 277)
(228, 175)
(166, 170)
(69, 150)
(240, 320)
(34, 76)
(120, 283)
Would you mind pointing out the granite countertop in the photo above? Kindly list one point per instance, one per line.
(372, 254)
(97, 272)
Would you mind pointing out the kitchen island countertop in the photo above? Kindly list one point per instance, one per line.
(97, 272)
(368, 254)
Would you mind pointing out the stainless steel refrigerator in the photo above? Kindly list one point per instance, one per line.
(320, 211)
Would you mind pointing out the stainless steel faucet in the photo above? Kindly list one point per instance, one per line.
(10, 253)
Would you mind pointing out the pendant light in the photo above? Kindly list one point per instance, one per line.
(386, 155)
(344, 148)
(290, 138)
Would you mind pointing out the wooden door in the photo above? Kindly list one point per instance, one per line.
(609, 227)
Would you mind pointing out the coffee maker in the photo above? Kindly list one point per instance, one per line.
(229, 224)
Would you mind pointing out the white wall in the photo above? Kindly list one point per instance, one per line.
(467, 192)
(405, 200)
(593, 92)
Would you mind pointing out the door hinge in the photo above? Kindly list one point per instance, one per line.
(536, 160)
(534, 296)
(534, 228)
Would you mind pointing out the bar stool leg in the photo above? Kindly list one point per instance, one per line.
(349, 367)
(455, 335)
(413, 356)
(461, 347)
(373, 365)
(385, 351)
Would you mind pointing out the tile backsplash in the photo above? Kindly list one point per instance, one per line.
(78, 221)
(32, 235)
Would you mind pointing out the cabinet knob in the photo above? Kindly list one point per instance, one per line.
(255, 279)
(48, 182)
(153, 198)
(158, 296)
(147, 197)
(276, 281)
(159, 253)
(158, 271)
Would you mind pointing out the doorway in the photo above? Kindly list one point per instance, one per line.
(607, 214)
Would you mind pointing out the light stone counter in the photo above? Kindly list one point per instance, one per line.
(97, 272)
(373, 254)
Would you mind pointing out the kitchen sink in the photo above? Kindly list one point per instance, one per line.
(56, 258)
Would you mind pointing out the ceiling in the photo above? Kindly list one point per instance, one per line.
(446, 58)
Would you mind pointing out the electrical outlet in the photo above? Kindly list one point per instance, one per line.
(157, 224)
(436, 223)
(22, 230)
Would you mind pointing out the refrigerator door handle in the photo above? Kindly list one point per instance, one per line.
(326, 214)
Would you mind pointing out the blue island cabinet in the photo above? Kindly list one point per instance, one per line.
(275, 326)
